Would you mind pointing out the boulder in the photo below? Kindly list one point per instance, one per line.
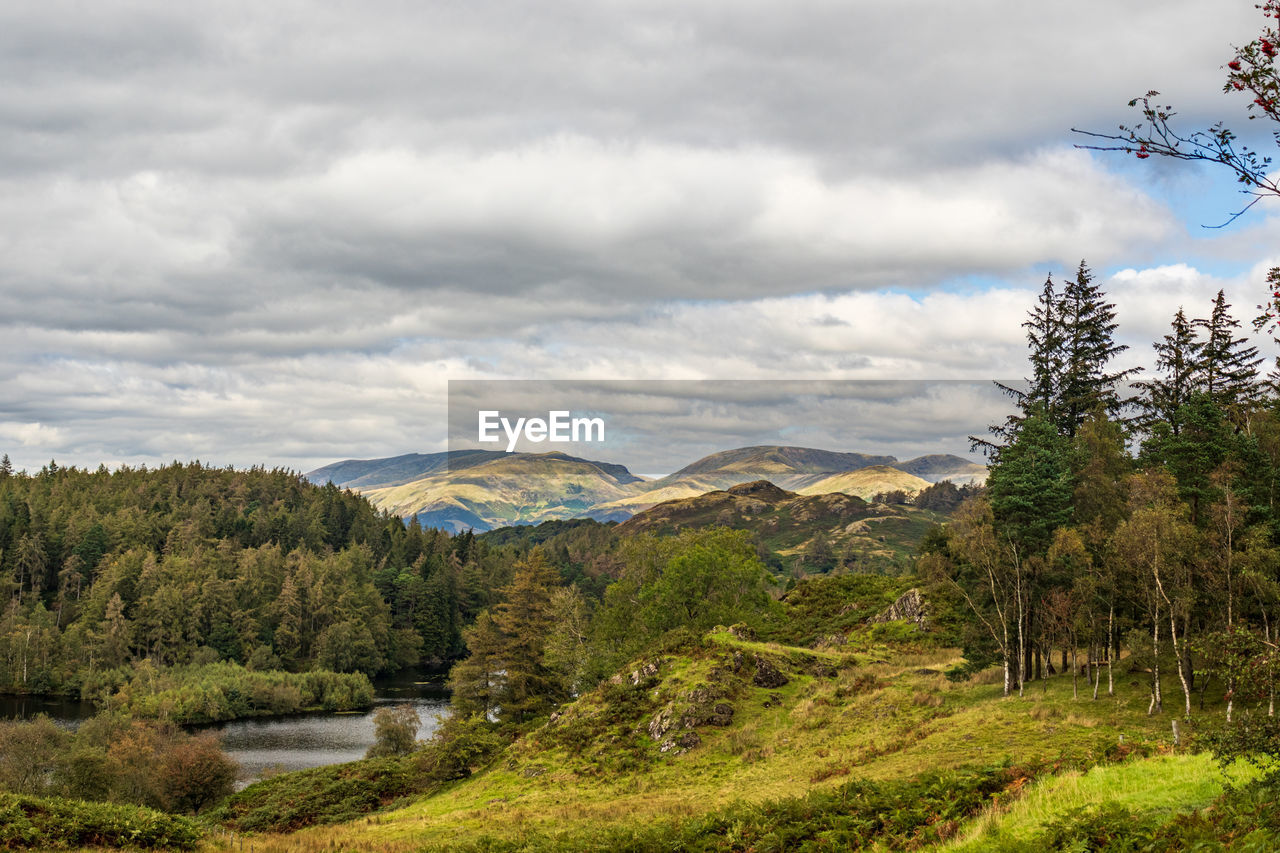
(767, 675)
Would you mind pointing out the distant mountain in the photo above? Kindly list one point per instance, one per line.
(786, 467)
(372, 473)
(943, 466)
(484, 489)
(866, 483)
(505, 488)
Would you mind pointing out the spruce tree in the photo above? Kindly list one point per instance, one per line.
(1088, 344)
(1227, 369)
(1070, 336)
(476, 682)
(1178, 359)
(6, 467)
(1045, 337)
(530, 687)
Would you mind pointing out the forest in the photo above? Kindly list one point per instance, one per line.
(188, 566)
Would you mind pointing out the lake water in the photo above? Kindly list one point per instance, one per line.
(265, 745)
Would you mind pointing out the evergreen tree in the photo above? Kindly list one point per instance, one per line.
(1030, 486)
(530, 687)
(476, 681)
(1227, 369)
(1045, 342)
(6, 467)
(1178, 359)
(1088, 326)
(1045, 333)
(1070, 336)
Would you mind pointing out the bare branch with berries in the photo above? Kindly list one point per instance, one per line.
(1253, 72)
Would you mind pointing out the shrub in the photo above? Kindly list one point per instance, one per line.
(44, 823)
(395, 731)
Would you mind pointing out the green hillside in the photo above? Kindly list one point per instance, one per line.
(809, 533)
(507, 489)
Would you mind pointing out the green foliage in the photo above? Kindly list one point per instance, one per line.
(1106, 827)
(395, 731)
(321, 795)
(823, 607)
(187, 564)
(896, 815)
(458, 746)
(1030, 486)
(222, 691)
(53, 823)
(689, 582)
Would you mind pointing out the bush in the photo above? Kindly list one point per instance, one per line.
(44, 823)
(223, 691)
(395, 731)
(322, 795)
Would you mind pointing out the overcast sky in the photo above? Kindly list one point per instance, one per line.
(271, 232)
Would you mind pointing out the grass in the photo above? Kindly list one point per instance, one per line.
(1159, 786)
(872, 714)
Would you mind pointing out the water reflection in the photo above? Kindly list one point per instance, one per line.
(281, 744)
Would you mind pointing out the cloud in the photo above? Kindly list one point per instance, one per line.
(272, 232)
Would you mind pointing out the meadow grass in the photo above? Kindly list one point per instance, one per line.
(875, 714)
(1161, 785)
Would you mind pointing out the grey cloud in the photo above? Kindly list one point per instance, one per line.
(258, 232)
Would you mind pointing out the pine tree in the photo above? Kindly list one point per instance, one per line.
(1071, 339)
(6, 467)
(1178, 360)
(1045, 336)
(524, 617)
(1088, 326)
(1044, 340)
(477, 681)
(1227, 369)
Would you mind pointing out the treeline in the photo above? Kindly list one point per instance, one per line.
(1124, 517)
(216, 692)
(188, 564)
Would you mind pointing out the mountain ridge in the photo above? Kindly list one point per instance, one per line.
(485, 489)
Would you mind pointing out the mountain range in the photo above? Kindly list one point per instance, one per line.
(485, 489)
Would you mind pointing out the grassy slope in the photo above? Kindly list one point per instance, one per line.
(1162, 784)
(872, 713)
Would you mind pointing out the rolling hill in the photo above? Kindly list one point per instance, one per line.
(484, 489)
(815, 531)
(517, 488)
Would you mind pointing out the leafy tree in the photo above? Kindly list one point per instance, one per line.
(395, 731)
(1158, 544)
(29, 754)
(713, 578)
(195, 773)
(985, 570)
